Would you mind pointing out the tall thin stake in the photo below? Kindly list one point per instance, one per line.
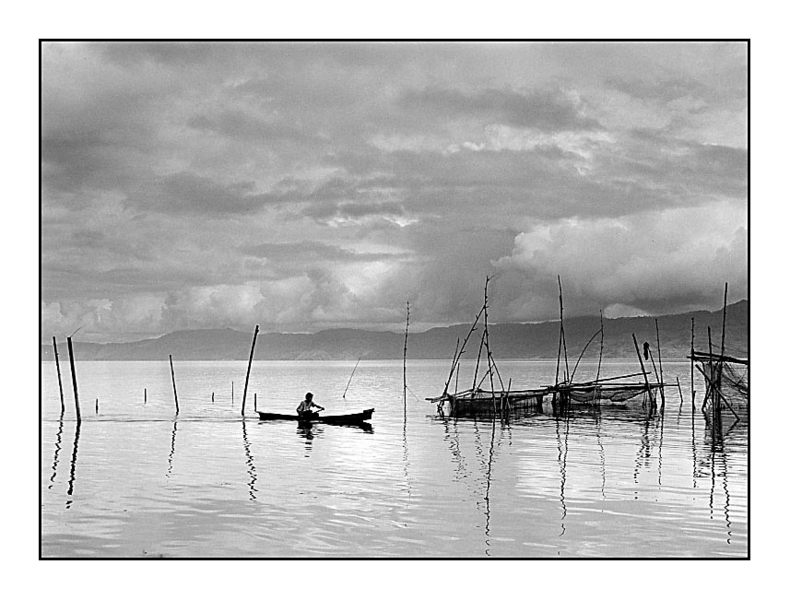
(660, 365)
(405, 346)
(723, 329)
(60, 382)
(562, 332)
(145, 395)
(600, 354)
(693, 393)
(173, 377)
(74, 380)
(249, 366)
(724, 318)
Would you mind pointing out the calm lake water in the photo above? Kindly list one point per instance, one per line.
(132, 481)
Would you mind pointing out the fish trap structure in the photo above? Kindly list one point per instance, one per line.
(476, 400)
(481, 400)
(726, 377)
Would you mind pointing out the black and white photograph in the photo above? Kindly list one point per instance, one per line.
(394, 299)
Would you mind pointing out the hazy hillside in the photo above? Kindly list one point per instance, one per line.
(508, 340)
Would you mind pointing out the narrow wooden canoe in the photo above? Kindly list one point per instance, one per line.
(344, 419)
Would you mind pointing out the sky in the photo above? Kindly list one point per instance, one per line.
(307, 186)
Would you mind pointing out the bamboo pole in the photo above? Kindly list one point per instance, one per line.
(457, 356)
(600, 354)
(231, 393)
(173, 377)
(60, 382)
(680, 391)
(212, 397)
(488, 352)
(255, 400)
(74, 379)
(723, 330)
(405, 345)
(644, 373)
(145, 395)
(97, 406)
(578, 360)
(660, 365)
(562, 330)
(249, 366)
(724, 318)
(693, 393)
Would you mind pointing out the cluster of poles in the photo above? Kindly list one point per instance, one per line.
(712, 365)
(145, 390)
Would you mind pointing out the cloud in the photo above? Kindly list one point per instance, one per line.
(544, 110)
(310, 185)
(667, 261)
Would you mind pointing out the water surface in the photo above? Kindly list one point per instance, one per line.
(134, 481)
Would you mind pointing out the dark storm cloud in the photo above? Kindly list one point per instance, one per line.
(188, 192)
(312, 185)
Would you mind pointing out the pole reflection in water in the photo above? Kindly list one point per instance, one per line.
(454, 444)
(488, 489)
(694, 472)
(172, 449)
(58, 440)
(660, 445)
(643, 455)
(601, 452)
(250, 463)
(73, 472)
(406, 453)
(562, 457)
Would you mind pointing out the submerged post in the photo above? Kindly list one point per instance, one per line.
(60, 382)
(249, 366)
(74, 380)
(173, 377)
(145, 395)
(231, 393)
(255, 401)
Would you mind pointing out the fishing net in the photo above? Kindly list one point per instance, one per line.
(735, 379)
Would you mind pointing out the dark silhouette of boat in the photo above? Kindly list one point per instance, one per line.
(343, 419)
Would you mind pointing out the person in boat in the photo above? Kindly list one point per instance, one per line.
(307, 408)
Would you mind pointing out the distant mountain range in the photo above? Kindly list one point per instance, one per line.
(508, 340)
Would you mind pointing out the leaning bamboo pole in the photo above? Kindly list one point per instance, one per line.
(644, 373)
(457, 356)
(60, 382)
(249, 367)
(74, 380)
(562, 331)
(660, 365)
(173, 377)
